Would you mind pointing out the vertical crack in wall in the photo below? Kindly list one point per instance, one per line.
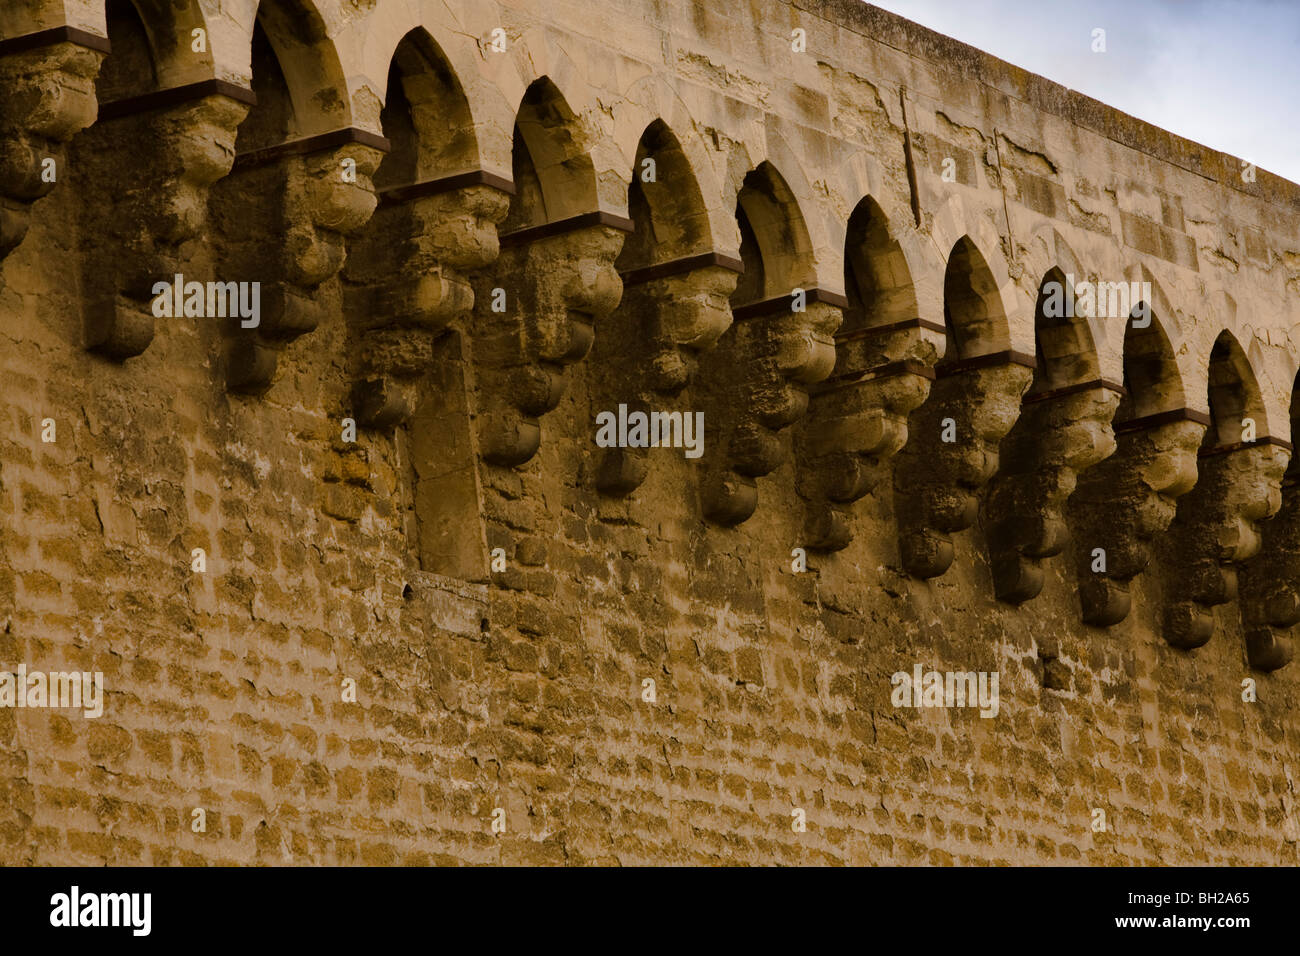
(1002, 188)
(907, 158)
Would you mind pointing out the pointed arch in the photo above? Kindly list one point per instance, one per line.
(860, 175)
(130, 70)
(1233, 394)
(774, 242)
(1175, 318)
(299, 82)
(1152, 379)
(426, 116)
(1064, 348)
(652, 99)
(170, 26)
(554, 176)
(665, 204)
(972, 304)
(877, 279)
(953, 222)
(493, 87)
(1050, 258)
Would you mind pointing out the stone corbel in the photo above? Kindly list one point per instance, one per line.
(561, 283)
(1125, 501)
(323, 198)
(1215, 531)
(857, 420)
(134, 242)
(47, 95)
(937, 483)
(774, 355)
(1270, 582)
(671, 312)
(1061, 432)
(408, 286)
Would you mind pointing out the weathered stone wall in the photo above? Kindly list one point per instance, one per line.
(916, 191)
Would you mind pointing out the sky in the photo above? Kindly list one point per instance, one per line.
(1225, 73)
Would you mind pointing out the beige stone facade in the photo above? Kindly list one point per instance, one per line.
(471, 633)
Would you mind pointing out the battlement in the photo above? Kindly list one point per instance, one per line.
(545, 432)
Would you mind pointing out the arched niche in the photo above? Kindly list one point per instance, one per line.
(954, 436)
(300, 185)
(136, 215)
(1064, 429)
(774, 243)
(554, 176)
(554, 282)
(675, 299)
(407, 296)
(972, 307)
(665, 205)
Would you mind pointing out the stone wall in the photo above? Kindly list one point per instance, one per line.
(431, 644)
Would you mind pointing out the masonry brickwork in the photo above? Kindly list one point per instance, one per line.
(837, 252)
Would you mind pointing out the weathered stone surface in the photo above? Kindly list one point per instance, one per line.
(137, 215)
(399, 304)
(651, 351)
(1055, 438)
(558, 290)
(1122, 505)
(1269, 583)
(298, 244)
(858, 421)
(1213, 533)
(937, 482)
(396, 635)
(47, 95)
(759, 390)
